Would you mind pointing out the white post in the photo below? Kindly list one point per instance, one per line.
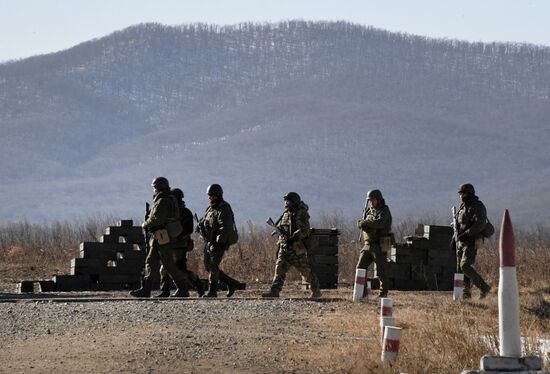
(508, 295)
(392, 336)
(386, 307)
(359, 287)
(458, 286)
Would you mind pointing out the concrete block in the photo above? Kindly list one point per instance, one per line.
(123, 230)
(72, 282)
(46, 286)
(408, 285)
(134, 239)
(317, 259)
(119, 278)
(110, 239)
(126, 223)
(325, 251)
(442, 261)
(399, 271)
(325, 268)
(498, 363)
(25, 287)
(131, 255)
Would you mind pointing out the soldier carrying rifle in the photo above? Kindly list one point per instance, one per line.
(292, 228)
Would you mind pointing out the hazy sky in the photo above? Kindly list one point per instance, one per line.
(30, 27)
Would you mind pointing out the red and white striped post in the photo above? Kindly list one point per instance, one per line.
(458, 289)
(386, 307)
(392, 336)
(508, 295)
(369, 291)
(359, 287)
(385, 322)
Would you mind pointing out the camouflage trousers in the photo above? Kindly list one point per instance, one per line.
(372, 252)
(162, 255)
(180, 259)
(213, 256)
(465, 260)
(288, 258)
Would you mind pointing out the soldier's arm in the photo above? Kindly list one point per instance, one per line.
(301, 226)
(376, 221)
(158, 217)
(225, 222)
(480, 220)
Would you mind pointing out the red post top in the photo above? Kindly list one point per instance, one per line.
(507, 245)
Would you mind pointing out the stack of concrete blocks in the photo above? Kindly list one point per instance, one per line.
(113, 263)
(423, 262)
(323, 257)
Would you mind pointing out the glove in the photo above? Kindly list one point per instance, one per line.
(359, 223)
(463, 237)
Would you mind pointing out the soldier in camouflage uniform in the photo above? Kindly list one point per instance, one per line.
(471, 218)
(164, 210)
(376, 226)
(180, 247)
(216, 227)
(294, 223)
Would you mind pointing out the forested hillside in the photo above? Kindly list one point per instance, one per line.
(329, 110)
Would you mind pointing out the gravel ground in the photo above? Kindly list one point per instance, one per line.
(241, 334)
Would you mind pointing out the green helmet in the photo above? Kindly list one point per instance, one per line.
(177, 193)
(160, 183)
(215, 190)
(467, 188)
(375, 194)
(293, 197)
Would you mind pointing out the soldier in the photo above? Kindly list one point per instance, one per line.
(471, 219)
(294, 223)
(218, 229)
(376, 227)
(180, 247)
(164, 210)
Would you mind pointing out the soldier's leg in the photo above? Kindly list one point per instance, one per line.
(167, 259)
(165, 282)
(281, 268)
(303, 265)
(381, 260)
(365, 259)
(466, 264)
(152, 264)
(215, 256)
(467, 292)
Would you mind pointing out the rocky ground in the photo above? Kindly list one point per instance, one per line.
(109, 332)
(243, 334)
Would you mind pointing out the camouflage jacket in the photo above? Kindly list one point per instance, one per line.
(472, 218)
(217, 222)
(376, 223)
(165, 208)
(295, 224)
(184, 240)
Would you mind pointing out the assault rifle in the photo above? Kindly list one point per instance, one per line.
(364, 214)
(145, 231)
(455, 227)
(200, 226)
(282, 234)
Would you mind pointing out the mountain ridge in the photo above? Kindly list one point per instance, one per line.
(308, 106)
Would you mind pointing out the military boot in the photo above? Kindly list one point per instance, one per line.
(212, 290)
(143, 291)
(182, 290)
(315, 288)
(199, 288)
(272, 293)
(484, 291)
(164, 291)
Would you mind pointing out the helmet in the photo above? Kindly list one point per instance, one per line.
(214, 189)
(293, 197)
(160, 183)
(467, 188)
(177, 193)
(375, 194)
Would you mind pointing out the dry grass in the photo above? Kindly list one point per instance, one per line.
(439, 336)
(31, 250)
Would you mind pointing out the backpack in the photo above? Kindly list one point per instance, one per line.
(489, 230)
